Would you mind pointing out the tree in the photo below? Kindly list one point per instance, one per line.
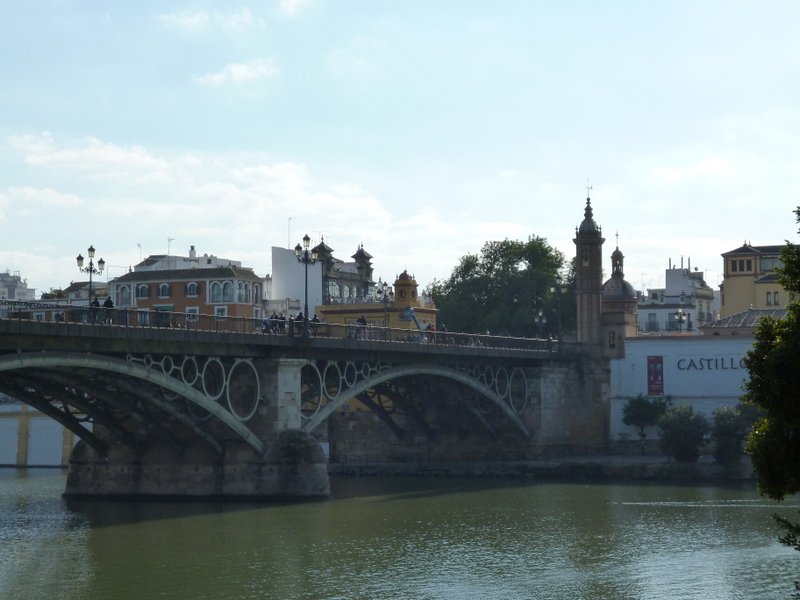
(730, 431)
(683, 431)
(501, 290)
(774, 387)
(644, 412)
(53, 294)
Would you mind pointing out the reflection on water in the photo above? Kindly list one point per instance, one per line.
(398, 538)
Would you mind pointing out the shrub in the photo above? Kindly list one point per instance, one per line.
(644, 412)
(730, 430)
(683, 431)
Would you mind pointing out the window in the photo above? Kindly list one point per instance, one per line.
(749, 265)
(333, 290)
(164, 290)
(612, 339)
(256, 293)
(733, 266)
(123, 296)
(220, 311)
(192, 313)
(216, 291)
(775, 299)
(240, 292)
(247, 292)
(227, 291)
(769, 298)
(143, 291)
(192, 289)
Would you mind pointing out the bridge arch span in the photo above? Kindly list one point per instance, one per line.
(44, 360)
(397, 372)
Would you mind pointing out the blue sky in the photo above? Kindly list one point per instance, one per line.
(419, 128)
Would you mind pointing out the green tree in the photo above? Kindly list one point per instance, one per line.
(502, 288)
(643, 412)
(53, 294)
(731, 426)
(774, 387)
(683, 431)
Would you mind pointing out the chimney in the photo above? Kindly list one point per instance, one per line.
(192, 253)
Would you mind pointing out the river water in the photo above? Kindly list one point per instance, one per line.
(399, 539)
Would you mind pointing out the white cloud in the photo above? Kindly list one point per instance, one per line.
(363, 55)
(241, 18)
(292, 8)
(43, 196)
(241, 73)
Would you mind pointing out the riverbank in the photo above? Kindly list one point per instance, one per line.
(587, 468)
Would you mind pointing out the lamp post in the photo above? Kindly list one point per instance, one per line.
(305, 257)
(558, 289)
(540, 320)
(90, 268)
(384, 293)
(680, 317)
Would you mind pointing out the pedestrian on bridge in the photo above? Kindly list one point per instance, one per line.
(108, 314)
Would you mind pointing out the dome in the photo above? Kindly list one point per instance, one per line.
(618, 289)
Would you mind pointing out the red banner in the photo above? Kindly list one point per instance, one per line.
(655, 375)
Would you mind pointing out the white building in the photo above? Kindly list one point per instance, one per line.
(682, 306)
(703, 371)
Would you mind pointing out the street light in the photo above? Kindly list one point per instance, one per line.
(559, 288)
(680, 316)
(540, 320)
(384, 293)
(305, 257)
(90, 268)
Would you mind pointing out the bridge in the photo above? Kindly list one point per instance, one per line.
(173, 404)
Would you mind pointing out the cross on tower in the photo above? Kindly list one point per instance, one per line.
(588, 187)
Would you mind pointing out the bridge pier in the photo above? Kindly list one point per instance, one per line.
(291, 465)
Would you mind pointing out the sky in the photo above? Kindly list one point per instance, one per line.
(421, 129)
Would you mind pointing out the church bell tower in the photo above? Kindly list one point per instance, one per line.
(589, 278)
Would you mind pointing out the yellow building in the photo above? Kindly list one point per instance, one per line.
(750, 281)
(403, 309)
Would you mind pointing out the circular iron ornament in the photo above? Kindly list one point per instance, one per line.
(518, 391)
(214, 374)
(167, 364)
(350, 374)
(501, 382)
(487, 376)
(332, 379)
(365, 370)
(189, 370)
(241, 386)
(312, 395)
(148, 361)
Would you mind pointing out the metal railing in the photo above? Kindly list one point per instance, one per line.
(157, 319)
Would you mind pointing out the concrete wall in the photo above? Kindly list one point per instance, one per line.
(288, 279)
(705, 372)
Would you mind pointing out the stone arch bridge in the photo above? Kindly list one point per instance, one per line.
(234, 411)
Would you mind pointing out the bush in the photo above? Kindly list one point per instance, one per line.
(730, 430)
(683, 431)
(644, 412)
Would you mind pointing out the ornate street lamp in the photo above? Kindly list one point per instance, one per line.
(305, 257)
(90, 268)
(384, 294)
(540, 320)
(680, 316)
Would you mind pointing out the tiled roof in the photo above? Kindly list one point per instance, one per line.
(748, 318)
(747, 249)
(189, 275)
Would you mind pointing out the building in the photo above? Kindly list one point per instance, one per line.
(743, 323)
(192, 285)
(13, 287)
(750, 281)
(619, 308)
(704, 372)
(682, 306)
(404, 308)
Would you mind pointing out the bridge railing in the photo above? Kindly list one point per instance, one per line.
(159, 319)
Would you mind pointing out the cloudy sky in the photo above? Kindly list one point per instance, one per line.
(420, 128)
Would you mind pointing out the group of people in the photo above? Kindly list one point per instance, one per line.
(277, 323)
(94, 310)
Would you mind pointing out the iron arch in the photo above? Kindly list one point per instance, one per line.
(13, 362)
(403, 371)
